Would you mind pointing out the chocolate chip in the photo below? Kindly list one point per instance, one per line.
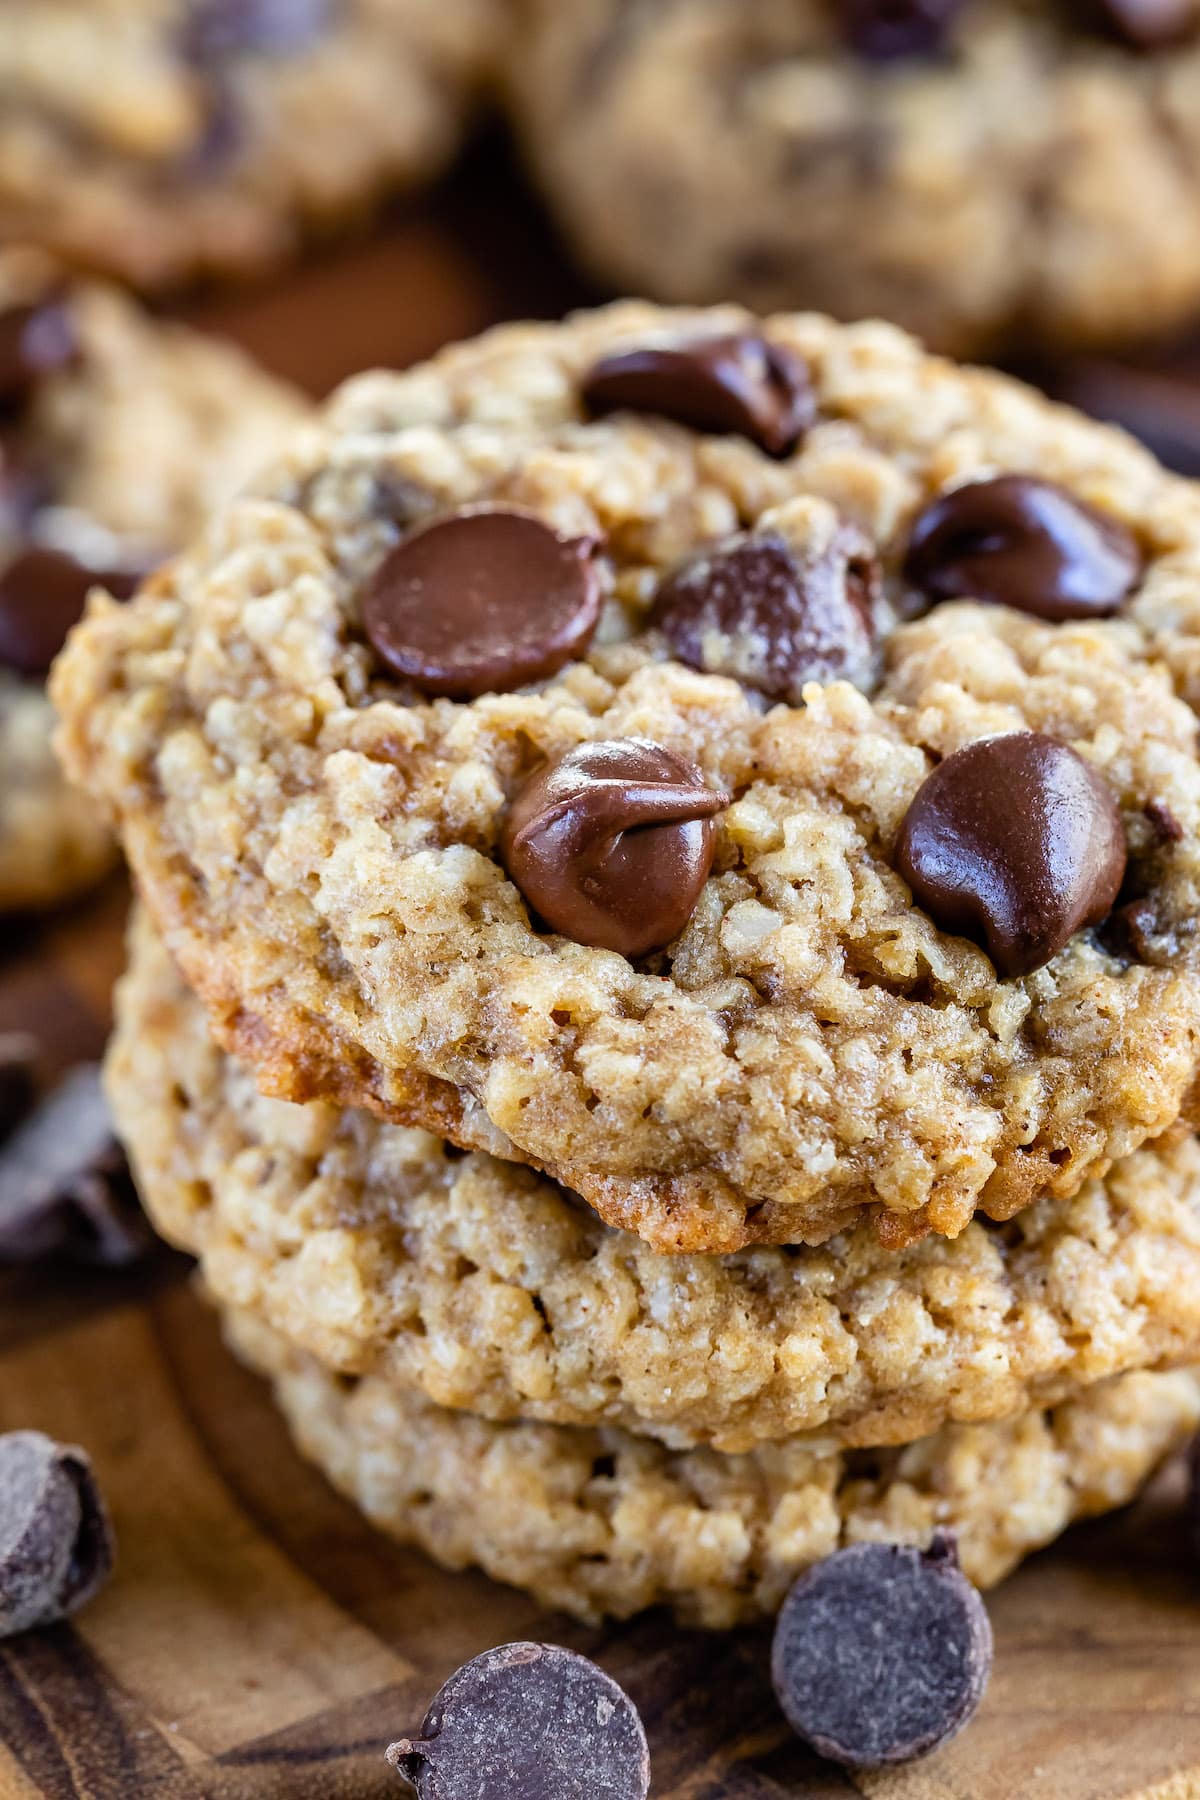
(732, 383)
(65, 1188)
(56, 1547)
(482, 602)
(1163, 823)
(1015, 841)
(42, 595)
(215, 29)
(882, 1652)
(1129, 932)
(612, 844)
(772, 616)
(883, 30)
(528, 1720)
(35, 341)
(1150, 24)
(1019, 541)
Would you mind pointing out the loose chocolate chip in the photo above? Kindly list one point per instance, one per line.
(56, 1547)
(42, 594)
(733, 383)
(35, 341)
(882, 1652)
(612, 844)
(215, 29)
(1150, 24)
(1016, 841)
(772, 616)
(1018, 541)
(482, 602)
(531, 1720)
(883, 30)
(65, 1188)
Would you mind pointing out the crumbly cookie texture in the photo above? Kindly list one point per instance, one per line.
(602, 1522)
(130, 444)
(1033, 180)
(487, 1288)
(161, 139)
(320, 845)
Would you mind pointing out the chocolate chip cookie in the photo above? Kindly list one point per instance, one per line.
(601, 1522)
(161, 139)
(116, 435)
(982, 171)
(717, 889)
(485, 1287)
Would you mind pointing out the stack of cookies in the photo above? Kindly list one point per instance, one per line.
(667, 995)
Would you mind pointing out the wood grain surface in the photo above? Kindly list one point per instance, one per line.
(259, 1641)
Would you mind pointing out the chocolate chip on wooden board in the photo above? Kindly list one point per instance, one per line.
(65, 1188)
(528, 1720)
(882, 1652)
(56, 1543)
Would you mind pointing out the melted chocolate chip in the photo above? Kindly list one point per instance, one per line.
(482, 602)
(215, 29)
(56, 1547)
(1150, 24)
(734, 383)
(42, 594)
(772, 616)
(612, 844)
(1017, 842)
(528, 1720)
(35, 341)
(883, 30)
(882, 1652)
(1018, 541)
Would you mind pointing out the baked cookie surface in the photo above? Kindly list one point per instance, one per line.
(161, 139)
(328, 846)
(117, 434)
(485, 1287)
(980, 171)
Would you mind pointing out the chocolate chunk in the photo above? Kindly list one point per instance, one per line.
(482, 602)
(882, 1652)
(215, 29)
(1015, 841)
(1150, 24)
(883, 30)
(528, 1720)
(35, 341)
(56, 1546)
(42, 595)
(772, 616)
(612, 844)
(1018, 541)
(733, 383)
(65, 1188)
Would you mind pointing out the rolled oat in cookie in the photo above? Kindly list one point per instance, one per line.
(338, 854)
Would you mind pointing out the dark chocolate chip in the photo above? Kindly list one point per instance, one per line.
(35, 341)
(1019, 541)
(1166, 827)
(56, 1546)
(882, 1652)
(772, 616)
(1150, 24)
(42, 595)
(215, 29)
(1130, 930)
(65, 1188)
(528, 1720)
(612, 844)
(482, 603)
(883, 30)
(733, 383)
(1017, 842)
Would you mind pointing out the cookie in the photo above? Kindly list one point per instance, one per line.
(116, 435)
(482, 1286)
(981, 171)
(156, 140)
(452, 894)
(602, 1522)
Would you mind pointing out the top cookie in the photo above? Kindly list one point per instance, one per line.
(979, 170)
(746, 1026)
(159, 139)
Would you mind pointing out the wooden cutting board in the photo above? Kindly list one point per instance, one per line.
(259, 1641)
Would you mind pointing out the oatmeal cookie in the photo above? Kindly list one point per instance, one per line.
(602, 1522)
(161, 139)
(116, 436)
(487, 1288)
(500, 766)
(982, 171)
